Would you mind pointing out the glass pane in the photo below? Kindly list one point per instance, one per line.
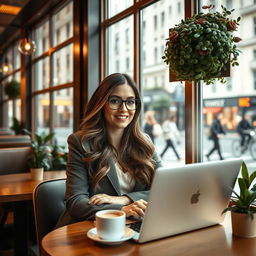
(63, 65)
(63, 115)
(120, 47)
(63, 24)
(10, 113)
(163, 101)
(16, 57)
(18, 109)
(116, 6)
(17, 103)
(41, 37)
(42, 76)
(41, 112)
(234, 100)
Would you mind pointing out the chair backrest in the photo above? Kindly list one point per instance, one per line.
(6, 131)
(10, 141)
(48, 200)
(14, 160)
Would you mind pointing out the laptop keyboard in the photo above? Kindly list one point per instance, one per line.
(136, 226)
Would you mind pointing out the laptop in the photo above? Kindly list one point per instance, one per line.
(187, 198)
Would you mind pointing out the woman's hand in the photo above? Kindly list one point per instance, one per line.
(107, 199)
(136, 209)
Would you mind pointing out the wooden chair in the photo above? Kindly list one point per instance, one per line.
(48, 201)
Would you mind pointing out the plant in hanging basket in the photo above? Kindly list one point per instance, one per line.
(12, 89)
(201, 47)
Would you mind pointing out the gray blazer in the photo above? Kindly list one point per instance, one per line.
(79, 188)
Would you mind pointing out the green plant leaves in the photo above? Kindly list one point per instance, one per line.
(199, 47)
(247, 196)
(12, 89)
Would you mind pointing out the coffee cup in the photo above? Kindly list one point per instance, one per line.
(110, 224)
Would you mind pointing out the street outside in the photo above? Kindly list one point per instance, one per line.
(169, 159)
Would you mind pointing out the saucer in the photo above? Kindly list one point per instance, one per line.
(92, 234)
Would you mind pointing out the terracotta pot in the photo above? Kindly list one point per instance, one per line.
(37, 173)
(243, 225)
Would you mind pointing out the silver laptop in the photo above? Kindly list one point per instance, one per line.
(186, 198)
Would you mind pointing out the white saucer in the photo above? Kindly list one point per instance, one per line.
(92, 234)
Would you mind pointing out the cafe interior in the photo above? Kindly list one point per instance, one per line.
(53, 56)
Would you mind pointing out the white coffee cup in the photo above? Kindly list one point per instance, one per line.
(110, 224)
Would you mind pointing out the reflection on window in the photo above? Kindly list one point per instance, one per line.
(120, 48)
(116, 6)
(229, 4)
(42, 74)
(41, 37)
(16, 57)
(254, 79)
(62, 68)
(163, 101)
(254, 25)
(42, 110)
(63, 113)
(63, 24)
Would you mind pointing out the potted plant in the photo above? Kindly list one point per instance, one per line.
(243, 212)
(18, 127)
(203, 46)
(12, 89)
(39, 159)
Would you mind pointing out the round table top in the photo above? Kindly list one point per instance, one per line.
(72, 240)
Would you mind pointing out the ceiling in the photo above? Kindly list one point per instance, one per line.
(8, 11)
(15, 13)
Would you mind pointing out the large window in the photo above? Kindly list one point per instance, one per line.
(53, 74)
(11, 107)
(149, 23)
(163, 102)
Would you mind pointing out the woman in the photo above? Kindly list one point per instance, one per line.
(111, 163)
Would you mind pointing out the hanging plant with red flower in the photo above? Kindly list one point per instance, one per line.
(200, 47)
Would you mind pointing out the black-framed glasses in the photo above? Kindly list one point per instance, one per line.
(116, 102)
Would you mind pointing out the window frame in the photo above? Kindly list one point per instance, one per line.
(49, 53)
(193, 94)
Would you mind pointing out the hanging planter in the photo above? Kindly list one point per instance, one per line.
(203, 47)
(12, 89)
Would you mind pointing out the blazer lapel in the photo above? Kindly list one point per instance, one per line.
(112, 176)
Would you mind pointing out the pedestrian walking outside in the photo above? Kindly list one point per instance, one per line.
(215, 131)
(151, 126)
(171, 135)
(244, 128)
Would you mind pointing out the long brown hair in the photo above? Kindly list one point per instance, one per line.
(136, 153)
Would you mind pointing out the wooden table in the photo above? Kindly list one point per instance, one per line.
(18, 189)
(217, 240)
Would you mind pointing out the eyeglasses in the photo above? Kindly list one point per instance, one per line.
(116, 102)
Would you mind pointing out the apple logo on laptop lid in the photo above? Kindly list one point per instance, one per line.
(195, 197)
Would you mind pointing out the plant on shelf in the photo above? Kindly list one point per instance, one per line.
(201, 47)
(243, 206)
(12, 89)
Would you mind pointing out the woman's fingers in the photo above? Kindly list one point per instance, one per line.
(136, 209)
